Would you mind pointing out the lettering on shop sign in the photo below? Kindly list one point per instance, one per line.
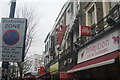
(104, 45)
(98, 46)
(86, 30)
(95, 49)
(116, 39)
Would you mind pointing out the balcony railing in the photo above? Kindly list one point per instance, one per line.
(47, 65)
(67, 53)
(101, 27)
(102, 24)
(54, 60)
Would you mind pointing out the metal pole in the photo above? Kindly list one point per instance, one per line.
(12, 8)
(5, 65)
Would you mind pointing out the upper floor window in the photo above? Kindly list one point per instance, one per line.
(47, 47)
(107, 6)
(69, 13)
(91, 16)
(112, 4)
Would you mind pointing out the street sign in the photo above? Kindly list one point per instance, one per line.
(13, 39)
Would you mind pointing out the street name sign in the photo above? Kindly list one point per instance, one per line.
(13, 39)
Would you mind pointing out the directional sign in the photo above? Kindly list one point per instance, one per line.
(13, 39)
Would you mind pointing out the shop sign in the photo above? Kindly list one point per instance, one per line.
(42, 70)
(54, 68)
(105, 45)
(66, 76)
(86, 30)
(36, 65)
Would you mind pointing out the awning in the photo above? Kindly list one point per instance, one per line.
(44, 75)
(100, 61)
(29, 77)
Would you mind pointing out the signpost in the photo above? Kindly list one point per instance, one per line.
(13, 39)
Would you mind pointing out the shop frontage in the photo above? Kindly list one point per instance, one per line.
(54, 71)
(106, 72)
(104, 67)
(99, 59)
(67, 60)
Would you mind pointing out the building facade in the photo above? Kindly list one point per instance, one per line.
(98, 54)
(32, 65)
(84, 41)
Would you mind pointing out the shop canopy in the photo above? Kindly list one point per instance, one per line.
(29, 77)
(100, 61)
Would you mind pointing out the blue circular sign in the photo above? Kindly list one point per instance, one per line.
(11, 37)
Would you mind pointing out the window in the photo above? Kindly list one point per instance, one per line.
(114, 10)
(107, 6)
(69, 13)
(46, 47)
(63, 19)
(112, 4)
(91, 15)
(71, 10)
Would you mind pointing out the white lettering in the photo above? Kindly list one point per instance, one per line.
(86, 30)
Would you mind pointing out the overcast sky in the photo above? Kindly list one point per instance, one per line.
(47, 10)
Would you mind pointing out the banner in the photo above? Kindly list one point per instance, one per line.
(60, 33)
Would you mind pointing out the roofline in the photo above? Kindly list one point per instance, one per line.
(47, 37)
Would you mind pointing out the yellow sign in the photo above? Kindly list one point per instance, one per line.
(54, 68)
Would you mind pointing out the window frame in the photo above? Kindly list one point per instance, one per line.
(87, 12)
